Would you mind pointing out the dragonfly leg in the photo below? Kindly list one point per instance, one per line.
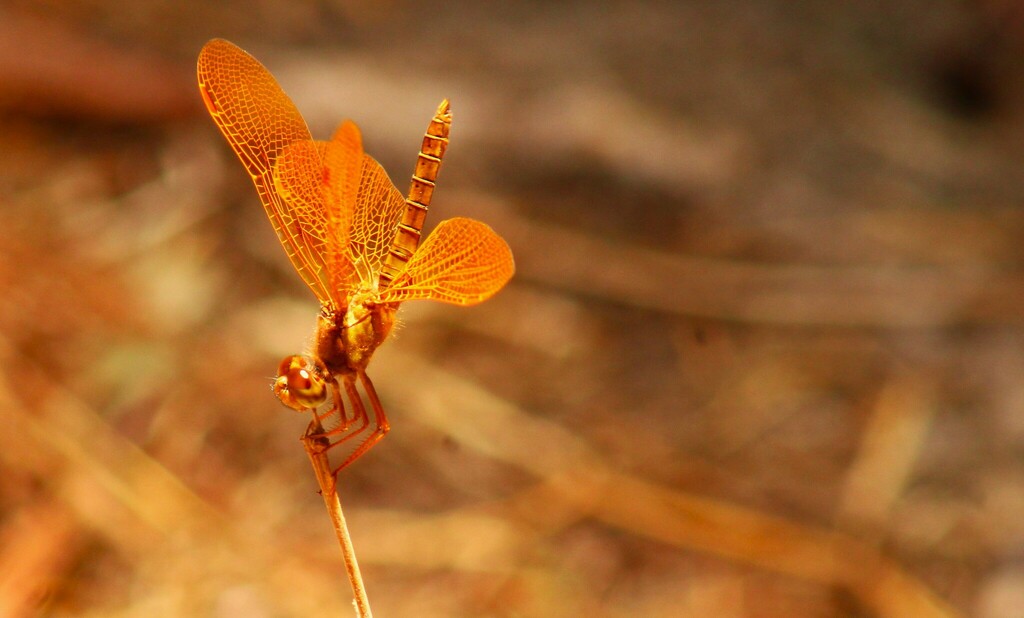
(337, 406)
(379, 423)
(351, 426)
(358, 411)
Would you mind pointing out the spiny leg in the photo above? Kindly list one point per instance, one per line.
(315, 429)
(345, 431)
(338, 406)
(358, 410)
(380, 420)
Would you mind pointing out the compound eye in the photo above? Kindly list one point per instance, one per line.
(300, 384)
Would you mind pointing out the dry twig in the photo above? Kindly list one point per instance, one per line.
(316, 447)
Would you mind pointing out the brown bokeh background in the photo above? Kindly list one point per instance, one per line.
(763, 355)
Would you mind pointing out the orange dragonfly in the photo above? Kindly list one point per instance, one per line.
(350, 235)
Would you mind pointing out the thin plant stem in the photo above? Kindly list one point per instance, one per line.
(316, 448)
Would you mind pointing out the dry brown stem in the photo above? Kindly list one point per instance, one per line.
(316, 449)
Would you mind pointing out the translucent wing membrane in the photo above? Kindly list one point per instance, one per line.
(303, 181)
(333, 207)
(463, 262)
(296, 175)
(259, 121)
(352, 206)
(343, 162)
(379, 208)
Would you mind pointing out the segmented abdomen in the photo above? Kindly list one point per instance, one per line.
(407, 236)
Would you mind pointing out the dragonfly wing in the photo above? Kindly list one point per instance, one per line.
(343, 158)
(462, 262)
(379, 208)
(301, 181)
(344, 161)
(259, 121)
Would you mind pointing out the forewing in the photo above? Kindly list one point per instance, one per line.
(379, 208)
(300, 182)
(343, 157)
(259, 121)
(462, 262)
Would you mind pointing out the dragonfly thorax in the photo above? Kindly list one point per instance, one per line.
(346, 338)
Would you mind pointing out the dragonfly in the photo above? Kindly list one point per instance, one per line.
(350, 235)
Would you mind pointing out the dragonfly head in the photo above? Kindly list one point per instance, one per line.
(300, 384)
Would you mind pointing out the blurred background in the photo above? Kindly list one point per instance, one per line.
(763, 354)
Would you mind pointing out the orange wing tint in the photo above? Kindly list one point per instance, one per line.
(378, 209)
(462, 262)
(259, 121)
(333, 207)
(309, 189)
